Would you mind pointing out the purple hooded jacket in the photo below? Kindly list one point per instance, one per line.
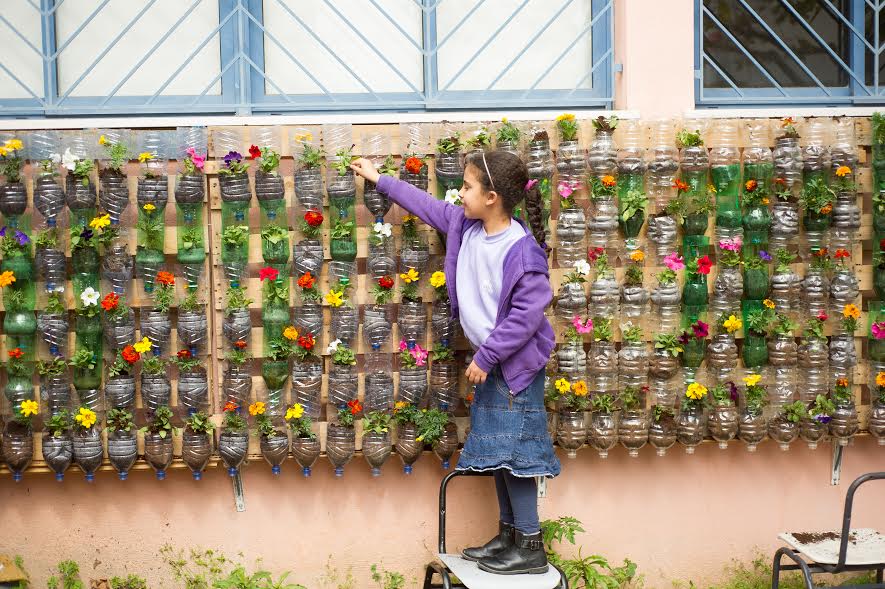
(522, 339)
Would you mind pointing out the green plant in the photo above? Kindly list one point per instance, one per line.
(782, 325)
(191, 237)
(83, 359)
(508, 132)
(815, 328)
(376, 422)
(11, 162)
(721, 394)
(669, 343)
(235, 235)
(431, 425)
(233, 421)
(341, 354)
(186, 361)
(388, 167)
(603, 403)
(821, 409)
(59, 423)
(299, 422)
(441, 353)
(238, 578)
(237, 357)
(67, 576)
(661, 413)
(388, 579)
(269, 161)
(759, 319)
(631, 203)
(20, 563)
(757, 575)
(602, 329)
(481, 139)
(265, 426)
(342, 229)
(161, 422)
(53, 367)
(817, 196)
(686, 138)
(199, 423)
(311, 157)
(120, 420)
(118, 154)
(199, 569)
(634, 276)
(666, 276)
(343, 158)
(47, 239)
(755, 399)
(450, 144)
(152, 227)
(236, 299)
(404, 413)
(129, 582)
(794, 412)
(630, 398)
(190, 303)
(276, 291)
(275, 233)
(568, 127)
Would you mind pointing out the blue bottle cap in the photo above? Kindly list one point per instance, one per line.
(90, 476)
(123, 476)
(231, 472)
(407, 469)
(306, 471)
(376, 472)
(275, 469)
(59, 476)
(161, 475)
(198, 476)
(339, 471)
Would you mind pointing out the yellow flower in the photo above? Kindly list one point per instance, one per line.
(843, 171)
(711, 188)
(410, 276)
(880, 379)
(13, 144)
(399, 405)
(752, 380)
(256, 408)
(102, 140)
(3, 151)
(149, 207)
(563, 386)
(438, 279)
(145, 156)
(7, 278)
(143, 346)
(851, 311)
(100, 222)
(504, 120)
(29, 408)
(85, 417)
(290, 333)
(409, 218)
(580, 388)
(768, 303)
(732, 324)
(308, 136)
(566, 116)
(295, 411)
(637, 256)
(334, 298)
(696, 391)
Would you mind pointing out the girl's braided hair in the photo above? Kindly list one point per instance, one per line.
(511, 177)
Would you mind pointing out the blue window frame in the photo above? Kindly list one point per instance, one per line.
(419, 55)
(770, 52)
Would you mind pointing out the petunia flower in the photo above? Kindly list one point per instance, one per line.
(674, 262)
(765, 255)
(22, 238)
(268, 273)
(90, 297)
(701, 329)
(582, 327)
(878, 329)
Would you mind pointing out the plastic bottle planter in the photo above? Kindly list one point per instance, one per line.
(444, 326)
(196, 449)
(755, 350)
(721, 357)
(340, 446)
(690, 428)
(81, 199)
(235, 190)
(844, 289)
(603, 433)
(232, 447)
(815, 292)
(342, 385)
(376, 202)
(113, 198)
(757, 224)
(345, 324)
(447, 444)
(309, 188)
(119, 392)
(539, 160)
(813, 361)
(306, 451)
(379, 392)
(812, 432)
(120, 331)
(787, 158)
(55, 392)
(407, 446)
(376, 450)
(118, 267)
(414, 253)
(412, 384)
(236, 384)
(572, 360)
(274, 221)
(695, 292)
(876, 424)
(605, 295)
(783, 357)
(412, 321)
(662, 434)
(449, 173)
(844, 423)
(149, 256)
(122, 451)
(783, 431)
(726, 177)
(785, 290)
(18, 389)
(275, 374)
(13, 199)
(666, 298)
(662, 370)
(723, 424)
(377, 326)
(846, 221)
(632, 365)
(633, 431)
(570, 158)
(275, 317)
(602, 360)
(49, 197)
(784, 224)
(193, 330)
(275, 449)
(751, 429)
(157, 326)
(661, 233)
(728, 288)
(193, 390)
(693, 353)
(18, 448)
(381, 261)
(571, 431)
(88, 452)
(51, 266)
(156, 391)
(419, 180)
(342, 197)
(58, 453)
(570, 236)
(307, 382)
(571, 300)
(634, 300)
(307, 256)
(602, 226)
(444, 385)
(191, 241)
(237, 325)
(756, 283)
(843, 356)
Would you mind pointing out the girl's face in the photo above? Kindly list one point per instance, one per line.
(477, 202)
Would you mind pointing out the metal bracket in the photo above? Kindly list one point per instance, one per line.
(836, 470)
(239, 496)
(542, 487)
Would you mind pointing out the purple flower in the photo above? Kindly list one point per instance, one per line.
(765, 255)
(22, 237)
(3, 231)
(701, 329)
(683, 339)
(823, 419)
(733, 391)
(232, 156)
(86, 234)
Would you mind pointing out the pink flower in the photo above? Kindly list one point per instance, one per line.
(582, 327)
(198, 160)
(878, 330)
(731, 245)
(674, 262)
(701, 329)
(565, 189)
(420, 355)
(402, 345)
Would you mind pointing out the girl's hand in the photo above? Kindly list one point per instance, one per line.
(475, 374)
(366, 169)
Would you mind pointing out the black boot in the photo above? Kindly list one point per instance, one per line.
(502, 541)
(525, 557)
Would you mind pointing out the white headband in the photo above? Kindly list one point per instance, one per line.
(485, 163)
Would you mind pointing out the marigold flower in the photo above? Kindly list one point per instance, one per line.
(826, 209)
(410, 276)
(306, 281)
(637, 256)
(732, 324)
(294, 412)
(438, 279)
(230, 406)
(752, 380)
(711, 188)
(130, 355)
(110, 302)
(385, 282)
(414, 165)
(608, 181)
(851, 311)
(696, 391)
(313, 218)
(149, 207)
(399, 406)
(765, 200)
(100, 222)
(768, 303)
(680, 186)
(841, 253)
(85, 417)
(240, 344)
(780, 181)
(257, 408)
(566, 116)
(103, 140)
(165, 278)
(841, 382)
(183, 354)
(409, 218)
(787, 121)
(750, 185)
(29, 408)
(290, 333)
(880, 379)
(6, 278)
(580, 388)
(843, 171)
(15, 353)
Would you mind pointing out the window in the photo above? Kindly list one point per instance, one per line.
(821, 52)
(242, 56)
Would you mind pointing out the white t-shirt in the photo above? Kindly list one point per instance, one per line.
(480, 273)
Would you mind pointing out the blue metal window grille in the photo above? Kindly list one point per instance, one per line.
(243, 85)
(770, 52)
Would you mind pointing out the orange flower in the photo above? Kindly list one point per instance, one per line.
(787, 122)
(841, 253)
(851, 311)
(469, 399)
(16, 353)
(240, 345)
(827, 209)
(780, 181)
(166, 278)
(765, 200)
(414, 165)
(130, 355)
(608, 181)
(230, 406)
(842, 382)
(110, 302)
(843, 171)
(355, 406)
(750, 185)
(680, 186)
(306, 280)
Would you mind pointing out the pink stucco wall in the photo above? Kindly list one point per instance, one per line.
(678, 517)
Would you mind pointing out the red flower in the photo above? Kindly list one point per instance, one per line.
(780, 181)
(680, 186)
(306, 280)
(704, 265)
(355, 406)
(166, 278)
(822, 316)
(184, 354)
(842, 253)
(254, 152)
(110, 302)
(240, 345)
(268, 273)
(230, 406)
(414, 165)
(306, 341)
(16, 353)
(313, 218)
(385, 282)
(882, 245)
(130, 355)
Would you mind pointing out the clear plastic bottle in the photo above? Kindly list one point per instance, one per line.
(783, 364)
(631, 175)
(725, 172)
(813, 362)
(602, 162)
(377, 326)
(307, 385)
(572, 221)
(787, 156)
(602, 360)
(539, 159)
(572, 360)
(815, 167)
(343, 385)
(633, 365)
(444, 393)
(846, 212)
(378, 382)
(412, 384)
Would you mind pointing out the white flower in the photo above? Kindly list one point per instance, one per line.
(383, 229)
(69, 160)
(582, 267)
(55, 158)
(89, 297)
(333, 347)
(453, 196)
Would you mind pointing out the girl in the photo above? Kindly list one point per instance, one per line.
(498, 283)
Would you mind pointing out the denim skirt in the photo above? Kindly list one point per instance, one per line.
(509, 431)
